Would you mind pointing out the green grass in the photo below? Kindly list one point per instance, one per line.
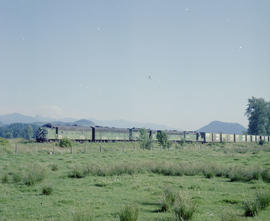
(124, 174)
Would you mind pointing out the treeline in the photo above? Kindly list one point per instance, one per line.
(19, 130)
(258, 113)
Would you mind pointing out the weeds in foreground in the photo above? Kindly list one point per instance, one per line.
(252, 207)
(4, 178)
(76, 172)
(80, 215)
(168, 200)
(179, 204)
(54, 167)
(34, 175)
(184, 208)
(129, 213)
(173, 169)
(229, 216)
(47, 190)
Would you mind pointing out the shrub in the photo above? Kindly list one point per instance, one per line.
(251, 207)
(168, 200)
(146, 141)
(263, 199)
(77, 172)
(65, 142)
(4, 178)
(266, 175)
(182, 142)
(34, 175)
(54, 167)
(129, 213)
(163, 141)
(261, 142)
(16, 177)
(3, 141)
(47, 190)
(184, 208)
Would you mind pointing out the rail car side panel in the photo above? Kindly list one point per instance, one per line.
(111, 134)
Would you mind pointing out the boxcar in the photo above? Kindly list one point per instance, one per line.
(111, 134)
(77, 133)
(190, 136)
(227, 138)
(174, 135)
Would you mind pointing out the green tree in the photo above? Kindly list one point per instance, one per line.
(163, 141)
(258, 113)
(145, 139)
(29, 132)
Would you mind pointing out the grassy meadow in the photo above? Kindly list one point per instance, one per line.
(42, 181)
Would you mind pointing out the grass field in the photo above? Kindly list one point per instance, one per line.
(47, 182)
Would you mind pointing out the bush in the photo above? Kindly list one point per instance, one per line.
(4, 178)
(65, 142)
(47, 190)
(168, 200)
(261, 142)
(184, 208)
(182, 142)
(129, 213)
(34, 175)
(263, 199)
(251, 207)
(16, 177)
(54, 167)
(163, 141)
(146, 141)
(77, 172)
(3, 141)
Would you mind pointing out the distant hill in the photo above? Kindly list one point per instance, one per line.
(1, 124)
(223, 127)
(130, 124)
(16, 118)
(84, 122)
(39, 120)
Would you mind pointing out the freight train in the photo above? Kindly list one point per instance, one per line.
(49, 132)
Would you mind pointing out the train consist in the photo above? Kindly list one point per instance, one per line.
(48, 133)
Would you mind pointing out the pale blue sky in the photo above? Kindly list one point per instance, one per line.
(93, 58)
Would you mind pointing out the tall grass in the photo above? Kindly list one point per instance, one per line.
(261, 201)
(129, 213)
(173, 169)
(80, 215)
(34, 174)
(184, 208)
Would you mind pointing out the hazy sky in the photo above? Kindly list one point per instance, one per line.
(173, 62)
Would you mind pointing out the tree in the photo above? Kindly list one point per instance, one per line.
(258, 113)
(29, 132)
(145, 139)
(163, 141)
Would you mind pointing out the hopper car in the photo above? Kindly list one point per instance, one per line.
(49, 132)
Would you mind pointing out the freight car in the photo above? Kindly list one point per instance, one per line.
(49, 132)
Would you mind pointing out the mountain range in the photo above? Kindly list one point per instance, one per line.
(20, 118)
(223, 127)
(214, 126)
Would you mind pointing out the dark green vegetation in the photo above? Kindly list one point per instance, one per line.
(107, 181)
(65, 142)
(19, 130)
(163, 140)
(258, 113)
